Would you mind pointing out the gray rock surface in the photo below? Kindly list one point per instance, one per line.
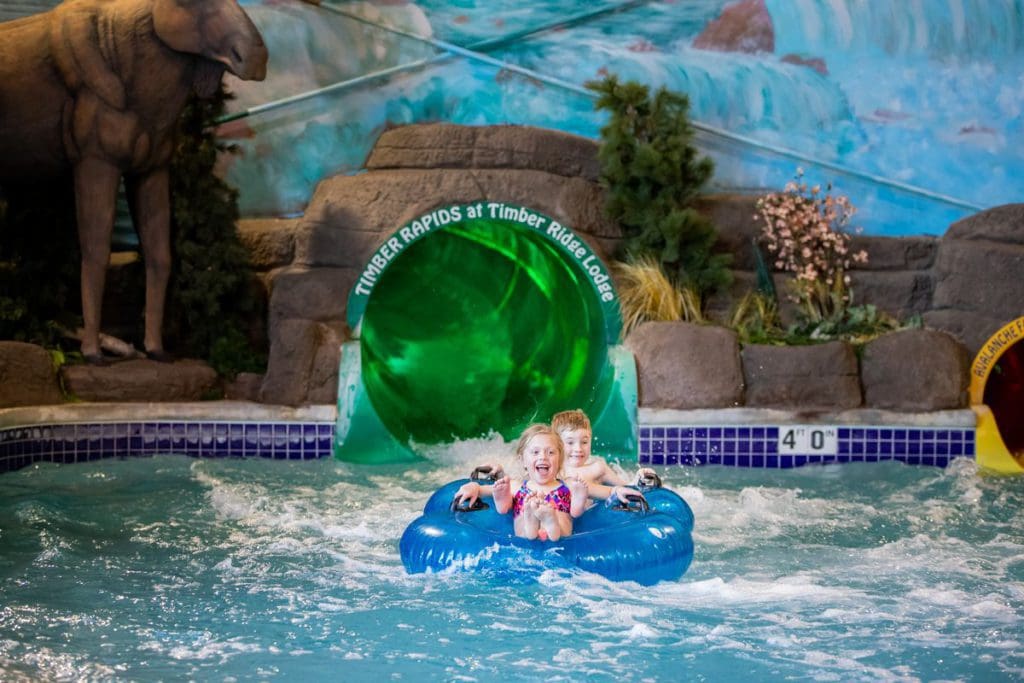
(733, 216)
(896, 253)
(818, 377)
(444, 145)
(900, 293)
(269, 241)
(27, 376)
(915, 370)
(684, 366)
(999, 224)
(978, 275)
(968, 327)
(303, 364)
(319, 294)
(245, 387)
(978, 284)
(141, 380)
(350, 216)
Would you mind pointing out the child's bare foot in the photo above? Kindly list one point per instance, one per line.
(531, 507)
(527, 525)
(544, 512)
(502, 494)
(548, 521)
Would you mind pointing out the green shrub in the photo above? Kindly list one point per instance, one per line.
(652, 174)
(39, 263)
(857, 324)
(210, 299)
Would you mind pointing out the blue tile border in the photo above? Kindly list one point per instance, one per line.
(669, 445)
(82, 442)
(759, 446)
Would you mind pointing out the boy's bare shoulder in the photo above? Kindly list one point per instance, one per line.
(590, 472)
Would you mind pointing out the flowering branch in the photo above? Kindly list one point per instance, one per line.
(805, 234)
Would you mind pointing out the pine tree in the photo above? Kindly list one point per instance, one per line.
(652, 174)
(211, 297)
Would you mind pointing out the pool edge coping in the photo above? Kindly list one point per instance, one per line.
(855, 417)
(260, 412)
(207, 411)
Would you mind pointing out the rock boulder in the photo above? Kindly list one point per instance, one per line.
(978, 287)
(141, 380)
(685, 366)
(819, 377)
(27, 376)
(915, 371)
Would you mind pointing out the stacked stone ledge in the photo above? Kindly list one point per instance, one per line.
(818, 377)
(684, 366)
(965, 286)
(411, 171)
(921, 370)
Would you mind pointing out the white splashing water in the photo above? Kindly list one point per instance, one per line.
(173, 568)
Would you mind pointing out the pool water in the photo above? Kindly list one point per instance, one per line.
(176, 568)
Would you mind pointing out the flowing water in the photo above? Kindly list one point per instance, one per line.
(928, 94)
(174, 568)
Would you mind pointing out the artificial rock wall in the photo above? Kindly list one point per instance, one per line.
(965, 286)
(310, 263)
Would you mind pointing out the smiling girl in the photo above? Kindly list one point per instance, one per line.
(542, 505)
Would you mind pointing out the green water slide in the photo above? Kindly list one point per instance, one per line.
(476, 319)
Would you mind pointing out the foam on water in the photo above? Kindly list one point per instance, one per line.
(176, 568)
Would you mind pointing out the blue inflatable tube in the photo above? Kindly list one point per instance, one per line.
(621, 545)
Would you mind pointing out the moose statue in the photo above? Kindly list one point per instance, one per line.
(92, 90)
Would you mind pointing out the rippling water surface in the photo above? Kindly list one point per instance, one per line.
(173, 568)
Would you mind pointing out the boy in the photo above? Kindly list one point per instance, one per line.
(573, 427)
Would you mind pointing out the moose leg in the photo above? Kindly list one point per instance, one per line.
(150, 203)
(95, 194)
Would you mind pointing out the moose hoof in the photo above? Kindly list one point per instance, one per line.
(160, 356)
(96, 359)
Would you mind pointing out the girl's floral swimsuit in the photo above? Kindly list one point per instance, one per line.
(560, 499)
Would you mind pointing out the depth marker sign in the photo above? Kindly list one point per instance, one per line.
(808, 440)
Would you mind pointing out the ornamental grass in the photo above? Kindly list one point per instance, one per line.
(646, 293)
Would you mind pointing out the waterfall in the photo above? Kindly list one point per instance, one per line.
(930, 28)
(743, 93)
